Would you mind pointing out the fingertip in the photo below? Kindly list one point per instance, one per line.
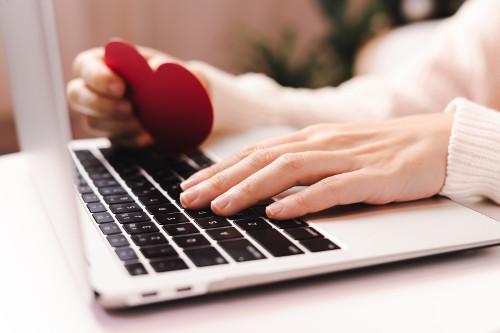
(274, 210)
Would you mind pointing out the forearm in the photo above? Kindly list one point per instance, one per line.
(453, 66)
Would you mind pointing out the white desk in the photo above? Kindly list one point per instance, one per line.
(457, 293)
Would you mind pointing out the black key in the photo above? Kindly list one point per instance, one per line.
(199, 213)
(125, 208)
(183, 169)
(96, 207)
(136, 268)
(112, 190)
(303, 233)
(105, 183)
(132, 217)
(241, 250)
(173, 218)
(153, 200)
(162, 174)
(146, 191)
(199, 158)
(286, 224)
(90, 197)
(140, 228)
(122, 198)
(274, 242)
(205, 256)
(90, 163)
(252, 224)
(128, 172)
(138, 182)
(212, 222)
(319, 244)
(109, 228)
(101, 176)
(158, 251)
(117, 240)
(224, 233)
(83, 154)
(260, 211)
(167, 265)
(191, 240)
(244, 214)
(103, 217)
(174, 191)
(265, 202)
(149, 239)
(85, 189)
(180, 229)
(81, 182)
(166, 208)
(168, 180)
(125, 253)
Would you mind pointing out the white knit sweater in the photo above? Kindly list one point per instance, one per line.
(462, 60)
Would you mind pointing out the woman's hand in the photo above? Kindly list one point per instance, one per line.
(397, 160)
(99, 94)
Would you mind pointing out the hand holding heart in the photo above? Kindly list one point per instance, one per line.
(100, 95)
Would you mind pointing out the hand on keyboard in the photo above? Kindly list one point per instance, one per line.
(396, 160)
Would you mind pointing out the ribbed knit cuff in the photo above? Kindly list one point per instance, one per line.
(473, 169)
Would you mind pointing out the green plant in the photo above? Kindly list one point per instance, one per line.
(330, 59)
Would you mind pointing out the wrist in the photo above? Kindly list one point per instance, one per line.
(473, 155)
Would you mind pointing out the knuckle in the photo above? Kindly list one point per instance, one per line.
(290, 161)
(217, 181)
(249, 150)
(100, 78)
(301, 202)
(246, 188)
(261, 157)
(332, 187)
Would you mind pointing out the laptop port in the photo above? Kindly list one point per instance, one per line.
(183, 289)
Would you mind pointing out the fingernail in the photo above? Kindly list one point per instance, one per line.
(274, 208)
(221, 202)
(189, 196)
(115, 88)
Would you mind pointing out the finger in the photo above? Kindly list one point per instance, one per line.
(285, 172)
(90, 66)
(342, 189)
(113, 127)
(200, 195)
(205, 174)
(86, 101)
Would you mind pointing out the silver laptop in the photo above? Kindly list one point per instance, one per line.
(124, 234)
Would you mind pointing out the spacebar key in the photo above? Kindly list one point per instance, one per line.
(274, 242)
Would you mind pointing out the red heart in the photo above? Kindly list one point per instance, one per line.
(171, 103)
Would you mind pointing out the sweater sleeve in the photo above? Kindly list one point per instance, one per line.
(460, 59)
(473, 170)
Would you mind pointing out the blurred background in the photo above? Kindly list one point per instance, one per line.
(299, 43)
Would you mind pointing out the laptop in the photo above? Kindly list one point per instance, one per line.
(128, 240)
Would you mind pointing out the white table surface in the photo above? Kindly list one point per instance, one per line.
(455, 293)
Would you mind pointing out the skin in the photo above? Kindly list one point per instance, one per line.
(380, 162)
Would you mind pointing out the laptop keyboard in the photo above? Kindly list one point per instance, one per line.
(134, 200)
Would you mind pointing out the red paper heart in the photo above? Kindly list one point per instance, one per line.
(171, 103)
